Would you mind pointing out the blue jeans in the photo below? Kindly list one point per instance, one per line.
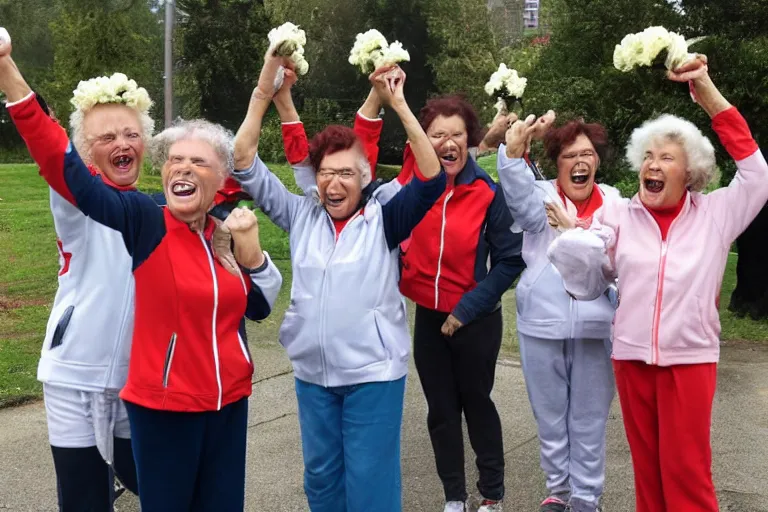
(351, 442)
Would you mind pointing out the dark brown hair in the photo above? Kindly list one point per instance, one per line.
(331, 140)
(454, 105)
(557, 139)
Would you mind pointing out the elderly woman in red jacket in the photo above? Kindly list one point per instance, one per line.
(190, 372)
(668, 246)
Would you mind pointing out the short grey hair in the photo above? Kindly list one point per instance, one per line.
(697, 147)
(81, 143)
(219, 138)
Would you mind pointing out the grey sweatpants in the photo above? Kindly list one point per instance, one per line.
(570, 386)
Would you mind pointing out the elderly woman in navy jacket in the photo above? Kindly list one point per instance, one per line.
(346, 330)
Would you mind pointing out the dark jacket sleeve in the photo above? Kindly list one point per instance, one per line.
(507, 263)
(406, 209)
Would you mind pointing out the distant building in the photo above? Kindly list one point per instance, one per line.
(531, 14)
(507, 19)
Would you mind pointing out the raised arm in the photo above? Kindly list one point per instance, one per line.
(406, 209)
(64, 170)
(262, 185)
(735, 206)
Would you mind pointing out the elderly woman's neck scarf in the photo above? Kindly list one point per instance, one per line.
(584, 209)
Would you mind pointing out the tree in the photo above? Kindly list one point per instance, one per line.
(27, 22)
(220, 48)
(96, 37)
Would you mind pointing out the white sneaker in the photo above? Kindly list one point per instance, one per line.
(454, 506)
(490, 506)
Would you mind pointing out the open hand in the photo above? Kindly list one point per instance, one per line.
(498, 129)
(558, 218)
(518, 136)
(450, 326)
(542, 126)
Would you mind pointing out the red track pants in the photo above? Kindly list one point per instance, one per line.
(667, 417)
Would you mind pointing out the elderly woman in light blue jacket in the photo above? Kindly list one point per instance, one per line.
(564, 343)
(346, 330)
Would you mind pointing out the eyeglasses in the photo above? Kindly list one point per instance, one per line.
(345, 174)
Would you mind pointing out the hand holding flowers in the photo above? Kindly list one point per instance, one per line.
(506, 86)
(371, 51)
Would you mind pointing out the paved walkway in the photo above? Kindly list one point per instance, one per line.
(740, 440)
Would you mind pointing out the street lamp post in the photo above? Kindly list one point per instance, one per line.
(169, 16)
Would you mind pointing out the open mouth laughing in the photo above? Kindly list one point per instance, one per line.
(653, 186)
(122, 162)
(183, 188)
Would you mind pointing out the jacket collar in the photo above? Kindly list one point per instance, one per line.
(469, 173)
(173, 224)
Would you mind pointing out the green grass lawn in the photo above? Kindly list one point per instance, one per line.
(29, 264)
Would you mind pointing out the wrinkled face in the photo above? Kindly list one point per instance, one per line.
(115, 140)
(576, 168)
(663, 175)
(339, 183)
(453, 153)
(191, 176)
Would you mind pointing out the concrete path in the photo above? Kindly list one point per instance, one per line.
(740, 441)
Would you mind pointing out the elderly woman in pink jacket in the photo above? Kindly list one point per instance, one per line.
(668, 246)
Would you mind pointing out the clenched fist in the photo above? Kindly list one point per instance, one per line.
(242, 228)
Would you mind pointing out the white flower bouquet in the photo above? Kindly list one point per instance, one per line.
(653, 47)
(114, 89)
(371, 51)
(506, 86)
(288, 40)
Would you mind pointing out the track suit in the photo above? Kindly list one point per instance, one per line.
(564, 343)
(190, 373)
(346, 334)
(666, 346)
(84, 359)
(447, 271)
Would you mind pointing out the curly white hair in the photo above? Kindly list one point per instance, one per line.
(219, 138)
(697, 147)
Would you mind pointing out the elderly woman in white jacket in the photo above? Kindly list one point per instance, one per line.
(346, 331)
(564, 344)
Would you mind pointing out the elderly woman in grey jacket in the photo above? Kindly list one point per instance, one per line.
(564, 343)
(345, 331)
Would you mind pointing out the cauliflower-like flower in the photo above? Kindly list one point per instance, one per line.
(288, 40)
(287, 32)
(372, 51)
(643, 48)
(506, 82)
(114, 89)
(392, 55)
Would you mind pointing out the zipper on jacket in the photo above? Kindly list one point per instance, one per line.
(573, 310)
(660, 287)
(323, 307)
(169, 359)
(442, 246)
(657, 308)
(215, 312)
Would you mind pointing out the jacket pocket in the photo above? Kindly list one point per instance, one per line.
(61, 327)
(169, 360)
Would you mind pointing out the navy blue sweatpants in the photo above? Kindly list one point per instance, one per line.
(190, 461)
